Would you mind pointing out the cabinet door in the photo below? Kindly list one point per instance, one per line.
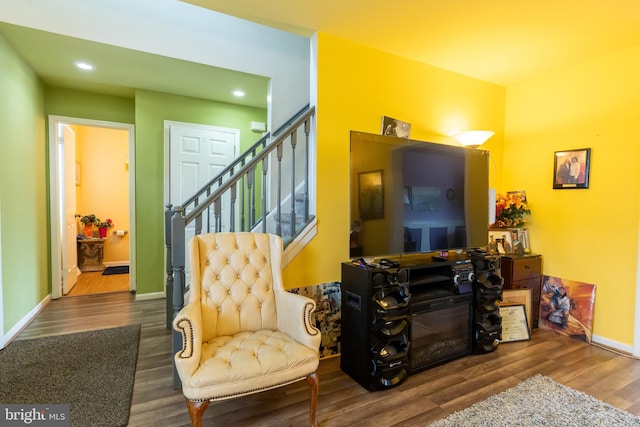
(526, 268)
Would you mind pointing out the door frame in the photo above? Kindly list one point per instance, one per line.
(54, 197)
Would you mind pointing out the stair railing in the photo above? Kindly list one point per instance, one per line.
(204, 210)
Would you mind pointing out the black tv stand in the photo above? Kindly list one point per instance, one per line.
(432, 326)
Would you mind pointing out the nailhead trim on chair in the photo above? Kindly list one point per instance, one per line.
(308, 315)
(254, 390)
(187, 345)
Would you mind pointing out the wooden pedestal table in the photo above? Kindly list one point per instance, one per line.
(90, 254)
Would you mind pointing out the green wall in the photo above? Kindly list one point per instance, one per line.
(148, 111)
(25, 105)
(152, 109)
(23, 188)
(89, 105)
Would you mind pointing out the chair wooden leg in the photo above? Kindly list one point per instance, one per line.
(196, 409)
(313, 386)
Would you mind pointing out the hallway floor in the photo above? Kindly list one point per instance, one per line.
(95, 283)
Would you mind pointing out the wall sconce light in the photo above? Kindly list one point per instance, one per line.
(473, 138)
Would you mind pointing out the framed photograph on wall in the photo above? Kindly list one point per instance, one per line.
(370, 195)
(571, 168)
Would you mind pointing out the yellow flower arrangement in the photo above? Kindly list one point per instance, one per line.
(510, 208)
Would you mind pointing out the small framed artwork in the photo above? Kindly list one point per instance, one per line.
(567, 307)
(571, 168)
(395, 127)
(518, 297)
(514, 323)
(370, 195)
(500, 241)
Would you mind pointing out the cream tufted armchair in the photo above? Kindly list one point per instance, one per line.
(242, 332)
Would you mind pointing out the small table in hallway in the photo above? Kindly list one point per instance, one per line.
(90, 253)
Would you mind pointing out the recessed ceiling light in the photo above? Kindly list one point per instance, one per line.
(238, 93)
(85, 66)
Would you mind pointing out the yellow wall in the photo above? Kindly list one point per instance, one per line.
(358, 85)
(588, 235)
(104, 185)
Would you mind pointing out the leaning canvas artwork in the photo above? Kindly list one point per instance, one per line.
(566, 307)
(327, 314)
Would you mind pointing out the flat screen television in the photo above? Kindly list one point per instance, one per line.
(412, 196)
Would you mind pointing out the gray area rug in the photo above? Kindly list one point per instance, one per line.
(93, 372)
(540, 401)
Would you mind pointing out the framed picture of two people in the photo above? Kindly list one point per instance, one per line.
(571, 168)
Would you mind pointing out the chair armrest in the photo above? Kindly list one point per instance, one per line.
(189, 323)
(295, 317)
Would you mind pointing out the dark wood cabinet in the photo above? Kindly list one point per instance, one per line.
(524, 272)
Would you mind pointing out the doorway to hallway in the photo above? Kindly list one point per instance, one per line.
(91, 173)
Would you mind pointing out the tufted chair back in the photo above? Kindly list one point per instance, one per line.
(234, 343)
(233, 277)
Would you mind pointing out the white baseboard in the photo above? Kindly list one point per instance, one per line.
(626, 348)
(150, 296)
(24, 322)
(116, 263)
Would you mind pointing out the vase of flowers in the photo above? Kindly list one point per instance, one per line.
(103, 227)
(510, 210)
(89, 221)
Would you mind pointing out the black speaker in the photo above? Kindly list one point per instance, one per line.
(487, 294)
(375, 325)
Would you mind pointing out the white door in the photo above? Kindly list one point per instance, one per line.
(67, 145)
(197, 154)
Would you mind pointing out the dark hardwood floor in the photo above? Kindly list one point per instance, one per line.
(424, 397)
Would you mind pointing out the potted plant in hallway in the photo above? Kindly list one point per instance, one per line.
(89, 221)
(103, 227)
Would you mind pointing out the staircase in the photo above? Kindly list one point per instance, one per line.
(266, 189)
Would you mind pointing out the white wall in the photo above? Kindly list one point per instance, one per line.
(183, 31)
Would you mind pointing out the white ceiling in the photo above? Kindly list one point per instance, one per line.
(500, 41)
